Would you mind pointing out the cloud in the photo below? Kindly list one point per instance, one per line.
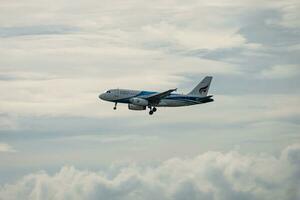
(189, 39)
(112, 139)
(6, 148)
(22, 76)
(57, 57)
(290, 14)
(211, 175)
(99, 45)
(281, 72)
(34, 30)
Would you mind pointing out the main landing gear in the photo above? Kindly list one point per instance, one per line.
(115, 107)
(152, 110)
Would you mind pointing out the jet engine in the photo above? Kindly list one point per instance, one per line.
(136, 107)
(139, 101)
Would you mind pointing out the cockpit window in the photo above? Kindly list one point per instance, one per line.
(108, 91)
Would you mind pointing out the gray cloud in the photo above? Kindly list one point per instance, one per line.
(211, 175)
(23, 76)
(260, 29)
(56, 58)
(35, 30)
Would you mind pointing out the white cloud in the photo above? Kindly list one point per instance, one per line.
(290, 14)
(131, 44)
(281, 72)
(191, 38)
(112, 139)
(6, 148)
(51, 90)
(212, 175)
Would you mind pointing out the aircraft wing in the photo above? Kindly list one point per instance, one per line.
(155, 98)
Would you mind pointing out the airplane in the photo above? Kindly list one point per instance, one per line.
(140, 100)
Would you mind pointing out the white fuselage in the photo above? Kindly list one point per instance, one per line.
(173, 100)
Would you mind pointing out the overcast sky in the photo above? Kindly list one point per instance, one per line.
(59, 141)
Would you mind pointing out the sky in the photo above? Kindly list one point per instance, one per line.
(59, 141)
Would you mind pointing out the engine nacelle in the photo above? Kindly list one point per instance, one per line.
(136, 107)
(139, 101)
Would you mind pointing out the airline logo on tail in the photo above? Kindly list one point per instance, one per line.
(203, 90)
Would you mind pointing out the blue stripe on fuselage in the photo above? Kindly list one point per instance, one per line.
(180, 97)
(145, 93)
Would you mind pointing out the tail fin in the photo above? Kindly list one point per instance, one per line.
(202, 88)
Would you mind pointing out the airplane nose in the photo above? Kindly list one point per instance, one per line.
(101, 96)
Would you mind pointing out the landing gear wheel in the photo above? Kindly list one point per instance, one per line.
(150, 112)
(154, 109)
(115, 108)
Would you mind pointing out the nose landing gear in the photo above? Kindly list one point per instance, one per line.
(115, 107)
